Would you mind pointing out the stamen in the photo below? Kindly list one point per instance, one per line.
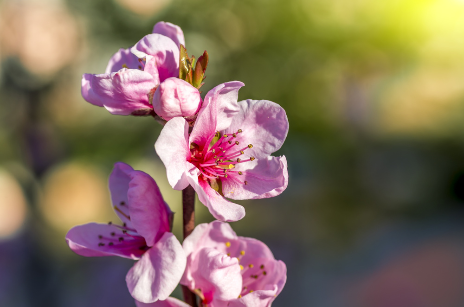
(262, 266)
(101, 244)
(100, 237)
(123, 214)
(110, 244)
(121, 239)
(239, 131)
(241, 267)
(240, 173)
(234, 135)
(242, 253)
(252, 158)
(122, 203)
(113, 233)
(238, 160)
(237, 142)
(110, 223)
(250, 145)
(246, 182)
(250, 266)
(227, 244)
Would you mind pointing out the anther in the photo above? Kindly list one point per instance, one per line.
(241, 268)
(250, 266)
(246, 182)
(121, 239)
(101, 244)
(237, 142)
(100, 237)
(250, 145)
(124, 224)
(252, 158)
(238, 160)
(240, 173)
(213, 150)
(239, 296)
(262, 266)
(225, 176)
(239, 131)
(242, 253)
(110, 244)
(124, 66)
(227, 244)
(109, 223)
(251, 291)
(264, 273)
(225, 135)
(140, 67)
(234, 135)
(124, 231)
(113, 233)
(122, 203)
(228, 254)
(242, 152)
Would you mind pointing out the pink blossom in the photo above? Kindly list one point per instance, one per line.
(132, 75)
(175, 97)
(144, 235)
(227, 270)
(228, 152)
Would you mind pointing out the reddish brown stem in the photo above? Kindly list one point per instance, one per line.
(188, 205)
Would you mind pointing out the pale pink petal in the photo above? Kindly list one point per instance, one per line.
(170, 30)
(84, 240)
(264, 125)
(175, 97)
(158, 272)
(226, 96)
(259, 298)
(165, 52)
(118, 183)
(124, 58)
(216, 275)
(173, 149)
(148, 212)
(219, 207)
(267, 177)
(169, 302)
(205, 125)
(121, 93)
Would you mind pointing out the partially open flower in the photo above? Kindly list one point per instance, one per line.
(144, 235)
(175, 97)
(132, 75)
(227, 270)
(228, 153)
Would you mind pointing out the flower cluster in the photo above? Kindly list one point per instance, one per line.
(218, 145)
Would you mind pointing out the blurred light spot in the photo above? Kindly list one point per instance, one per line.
(12, 205)
(75, 194)
(144, 7)
(43, 35)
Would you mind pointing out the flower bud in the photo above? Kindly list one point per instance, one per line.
(175, 97)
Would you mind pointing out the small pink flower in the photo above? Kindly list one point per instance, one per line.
(238, 164)
(175, 97)
(144, 235)
(227, 270)
(132, 75)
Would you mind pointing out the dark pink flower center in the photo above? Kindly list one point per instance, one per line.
(218, 161)
(123, 237)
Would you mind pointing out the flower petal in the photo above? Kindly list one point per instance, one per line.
(216, 274)
(259, 298)
(124, 58)
(148, 211)
(219, 207)
(170, 30)
(226, 96)
(205, 125)
(264, 125)
(169, 302)
(267, 177)
(84, 240)
(121, 93)
(158, 272)
(173, 149)
(118, 183)
(164, 50)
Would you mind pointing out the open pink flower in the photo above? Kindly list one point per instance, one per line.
(228, 152)
(227, 270)
(132, 75)
(144, 235)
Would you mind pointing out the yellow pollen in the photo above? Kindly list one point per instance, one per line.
(239, 131)
(252, 158)
(228, 254)
(231, 166)
(250, 266)
(241, 268)
(237, 142)
(242, 152)
(250, 146)
(240, 173)
(213, 150)
(225, 135)
(239, 296)
(124, 66)
(225, 176)
(238, 160)
(227, 244)
(234, 135)
(251, 291)
(262, 266)
(242, 253)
